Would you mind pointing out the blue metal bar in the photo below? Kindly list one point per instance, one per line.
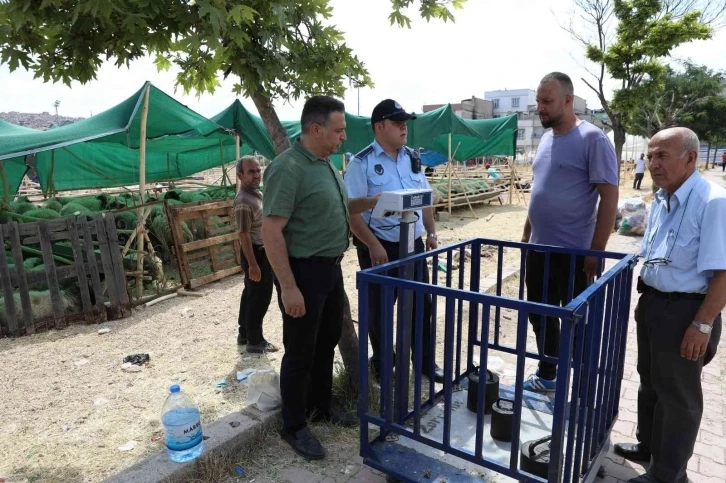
(363, 360)
(473, 307)
(574, 403)
(400, 357)
(449, 264)
(460, 310)
(523, 275)
(522, 325)
(624, 315)
(571, 279)
(432, 328)
(448, 367)
(606, 358)
(545, 300)
(612, 365)
(387, 354)
(504, 302)
(501, 243)
(595, 383)
(561, 393)
(498, 310)
(513, 351)
(483, 358)
(418, 358)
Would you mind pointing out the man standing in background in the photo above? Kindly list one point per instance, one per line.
(575, 167)
(257, 292)
(639, 171)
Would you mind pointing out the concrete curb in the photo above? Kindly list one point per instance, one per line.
(222, 438)
(490, 283)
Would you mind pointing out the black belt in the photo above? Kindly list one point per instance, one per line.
(643, 288)
(329, 261)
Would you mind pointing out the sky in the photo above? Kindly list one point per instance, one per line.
(492, 45)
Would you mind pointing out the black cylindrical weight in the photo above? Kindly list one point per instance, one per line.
(535, 456)
(502, 417)
(492, 391)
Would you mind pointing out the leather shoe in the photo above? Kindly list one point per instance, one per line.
(304, 443)
(335, 417)
(438, 373)
(632, 451)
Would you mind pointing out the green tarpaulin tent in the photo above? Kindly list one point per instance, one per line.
(102, 151)
(12, 169)
(474, 138)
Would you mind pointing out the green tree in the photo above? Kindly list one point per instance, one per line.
(279, 50)
(677, 99)
(710, 123)
(628, 42)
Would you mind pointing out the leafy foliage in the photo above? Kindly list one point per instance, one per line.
(678, 98)
(646, 31)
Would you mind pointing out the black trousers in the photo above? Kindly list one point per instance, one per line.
(638, 180)
(375, 303)
(670, 399)
(557, 294)
(306, 373)
(255, 298)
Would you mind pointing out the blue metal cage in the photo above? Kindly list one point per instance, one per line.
(395, 437)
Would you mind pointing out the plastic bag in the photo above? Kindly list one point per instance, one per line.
(634, 214)
(263, 390)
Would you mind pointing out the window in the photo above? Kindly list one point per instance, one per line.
(496, 103)
(520, 134)
(515, 101)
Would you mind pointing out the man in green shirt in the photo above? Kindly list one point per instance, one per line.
(306, 232)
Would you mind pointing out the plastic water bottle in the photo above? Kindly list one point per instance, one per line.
(182, 426)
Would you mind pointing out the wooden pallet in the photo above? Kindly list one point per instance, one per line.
(218, 252)
(96, 266)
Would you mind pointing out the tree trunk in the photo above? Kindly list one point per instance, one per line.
(619, 140)
(348, 343)
(708, 155)
(272, 122)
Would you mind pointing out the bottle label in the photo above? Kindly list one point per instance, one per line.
(183, 437)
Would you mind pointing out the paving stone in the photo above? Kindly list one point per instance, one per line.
(699, 478)
(708, 467)
(713, 452)
(367, 475)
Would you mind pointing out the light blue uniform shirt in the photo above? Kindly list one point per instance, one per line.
(692, 235)
(372, 171)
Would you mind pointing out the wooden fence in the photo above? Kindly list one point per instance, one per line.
(214, 257)
(80, 251)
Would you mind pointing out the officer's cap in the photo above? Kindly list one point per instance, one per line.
(390, 109)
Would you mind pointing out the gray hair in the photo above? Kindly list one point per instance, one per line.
(563, 79)
(241, 163)
(689, 142)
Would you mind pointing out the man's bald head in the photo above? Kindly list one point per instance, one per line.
(673, 157)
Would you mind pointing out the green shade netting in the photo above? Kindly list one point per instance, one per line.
(12, 169)
(474, 138)
(102, 151)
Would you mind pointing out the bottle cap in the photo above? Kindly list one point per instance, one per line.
(174, 388)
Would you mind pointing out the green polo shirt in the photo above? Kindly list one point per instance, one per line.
(310, 193)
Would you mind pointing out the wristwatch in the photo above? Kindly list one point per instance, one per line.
(432, 235)
(703, 328)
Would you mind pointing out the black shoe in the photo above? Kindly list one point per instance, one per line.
(335, 417)
(241, 340)
(304, 443)
(438, 373)
(261, 348)
(632, 451)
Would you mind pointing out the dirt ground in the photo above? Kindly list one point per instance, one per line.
(67, 405)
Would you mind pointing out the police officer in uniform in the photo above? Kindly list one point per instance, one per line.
(388, 165)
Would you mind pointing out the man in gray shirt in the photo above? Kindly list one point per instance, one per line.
(575, 167)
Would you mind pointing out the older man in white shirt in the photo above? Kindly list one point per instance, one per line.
(683, 291)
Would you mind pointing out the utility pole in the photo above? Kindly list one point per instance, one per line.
(56, 104)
